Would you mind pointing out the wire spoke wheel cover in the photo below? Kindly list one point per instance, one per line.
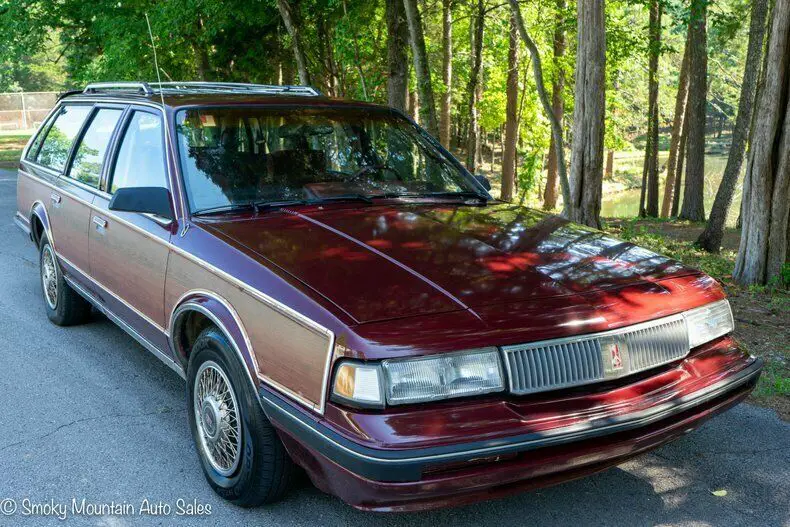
(49, 276)
(217, 418)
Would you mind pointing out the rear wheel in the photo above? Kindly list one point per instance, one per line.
(64, 306)
(243, 459)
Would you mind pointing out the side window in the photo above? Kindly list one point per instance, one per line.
(141, 159)
(36, 144)
(55, 150)
(88, 160)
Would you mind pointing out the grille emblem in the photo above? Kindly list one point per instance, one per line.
(617, 360)
(615, 356)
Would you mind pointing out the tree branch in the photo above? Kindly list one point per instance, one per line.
(556, 127)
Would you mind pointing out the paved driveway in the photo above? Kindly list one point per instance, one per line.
(86, 413)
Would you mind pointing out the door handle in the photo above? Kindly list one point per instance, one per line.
(100, 223)
(55, 198)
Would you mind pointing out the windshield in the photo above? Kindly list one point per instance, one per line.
(243, 156)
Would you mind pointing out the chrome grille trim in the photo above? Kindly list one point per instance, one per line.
(583, 359)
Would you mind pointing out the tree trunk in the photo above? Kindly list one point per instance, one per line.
(643, 186)
(556, 126)
(674, 141)
(357, 58)
(557, 104)
(422, 69)
(324, 53)
(397, 54)
(766, 195)
(511, 115)
(201, 61)
(710, 239)
(588, 115)
(609, 165)
(202, 64)
(447, 71)
(693, 194)
(475, 69)
(651, 162)
(493, 151)
(286, 12)
(684, 132)
(414, 105)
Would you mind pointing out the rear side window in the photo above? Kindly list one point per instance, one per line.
(56, 147)
(89, 157)
(141, 160)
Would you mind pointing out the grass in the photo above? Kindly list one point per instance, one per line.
(775, 381)
(11, 146)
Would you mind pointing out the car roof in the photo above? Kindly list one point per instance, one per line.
(177, 95)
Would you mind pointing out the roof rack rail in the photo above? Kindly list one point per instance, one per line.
(146, 88)
(236, 87)
(96, 87)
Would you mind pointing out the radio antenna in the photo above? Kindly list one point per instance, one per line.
(168, 146)
(156, 62)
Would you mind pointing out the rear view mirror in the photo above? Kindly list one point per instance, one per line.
(483, 181)
(145, 200)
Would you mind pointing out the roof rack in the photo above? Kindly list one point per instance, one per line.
(236, 87)
(96, 87)
(145, 88)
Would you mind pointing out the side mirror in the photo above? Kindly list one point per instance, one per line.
(145, 200)
(483, 181)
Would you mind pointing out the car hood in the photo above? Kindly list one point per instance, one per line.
(385, 261)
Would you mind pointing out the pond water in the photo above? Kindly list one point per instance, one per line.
(625, 203)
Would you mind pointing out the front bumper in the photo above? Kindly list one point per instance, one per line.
(531, 454)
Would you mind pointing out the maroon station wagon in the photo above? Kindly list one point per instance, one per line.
(341, 295)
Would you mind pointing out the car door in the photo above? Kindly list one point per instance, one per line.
(66, 201)
(129, 251)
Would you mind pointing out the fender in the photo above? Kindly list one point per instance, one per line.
(38, 210)
(221, 313)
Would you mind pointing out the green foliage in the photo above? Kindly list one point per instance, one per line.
(54, 45)
(527, 174)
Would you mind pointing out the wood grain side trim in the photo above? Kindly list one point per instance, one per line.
(114, 295)
(283, 309)
(183, 304)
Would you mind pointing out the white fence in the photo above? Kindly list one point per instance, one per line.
(25, 110)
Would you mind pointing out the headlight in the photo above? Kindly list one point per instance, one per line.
(404, 381)
(708, 322)
(443, 376)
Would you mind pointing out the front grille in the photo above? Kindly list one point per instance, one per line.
(563, 363)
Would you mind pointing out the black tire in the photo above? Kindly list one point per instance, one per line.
(265, 471)
(69, 307)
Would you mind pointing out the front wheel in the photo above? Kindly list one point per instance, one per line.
(243, 459)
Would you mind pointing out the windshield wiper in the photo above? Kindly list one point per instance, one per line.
(271, 205)
(255, 206)
(220, 209)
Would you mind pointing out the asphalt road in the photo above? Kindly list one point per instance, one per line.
(88, 414)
